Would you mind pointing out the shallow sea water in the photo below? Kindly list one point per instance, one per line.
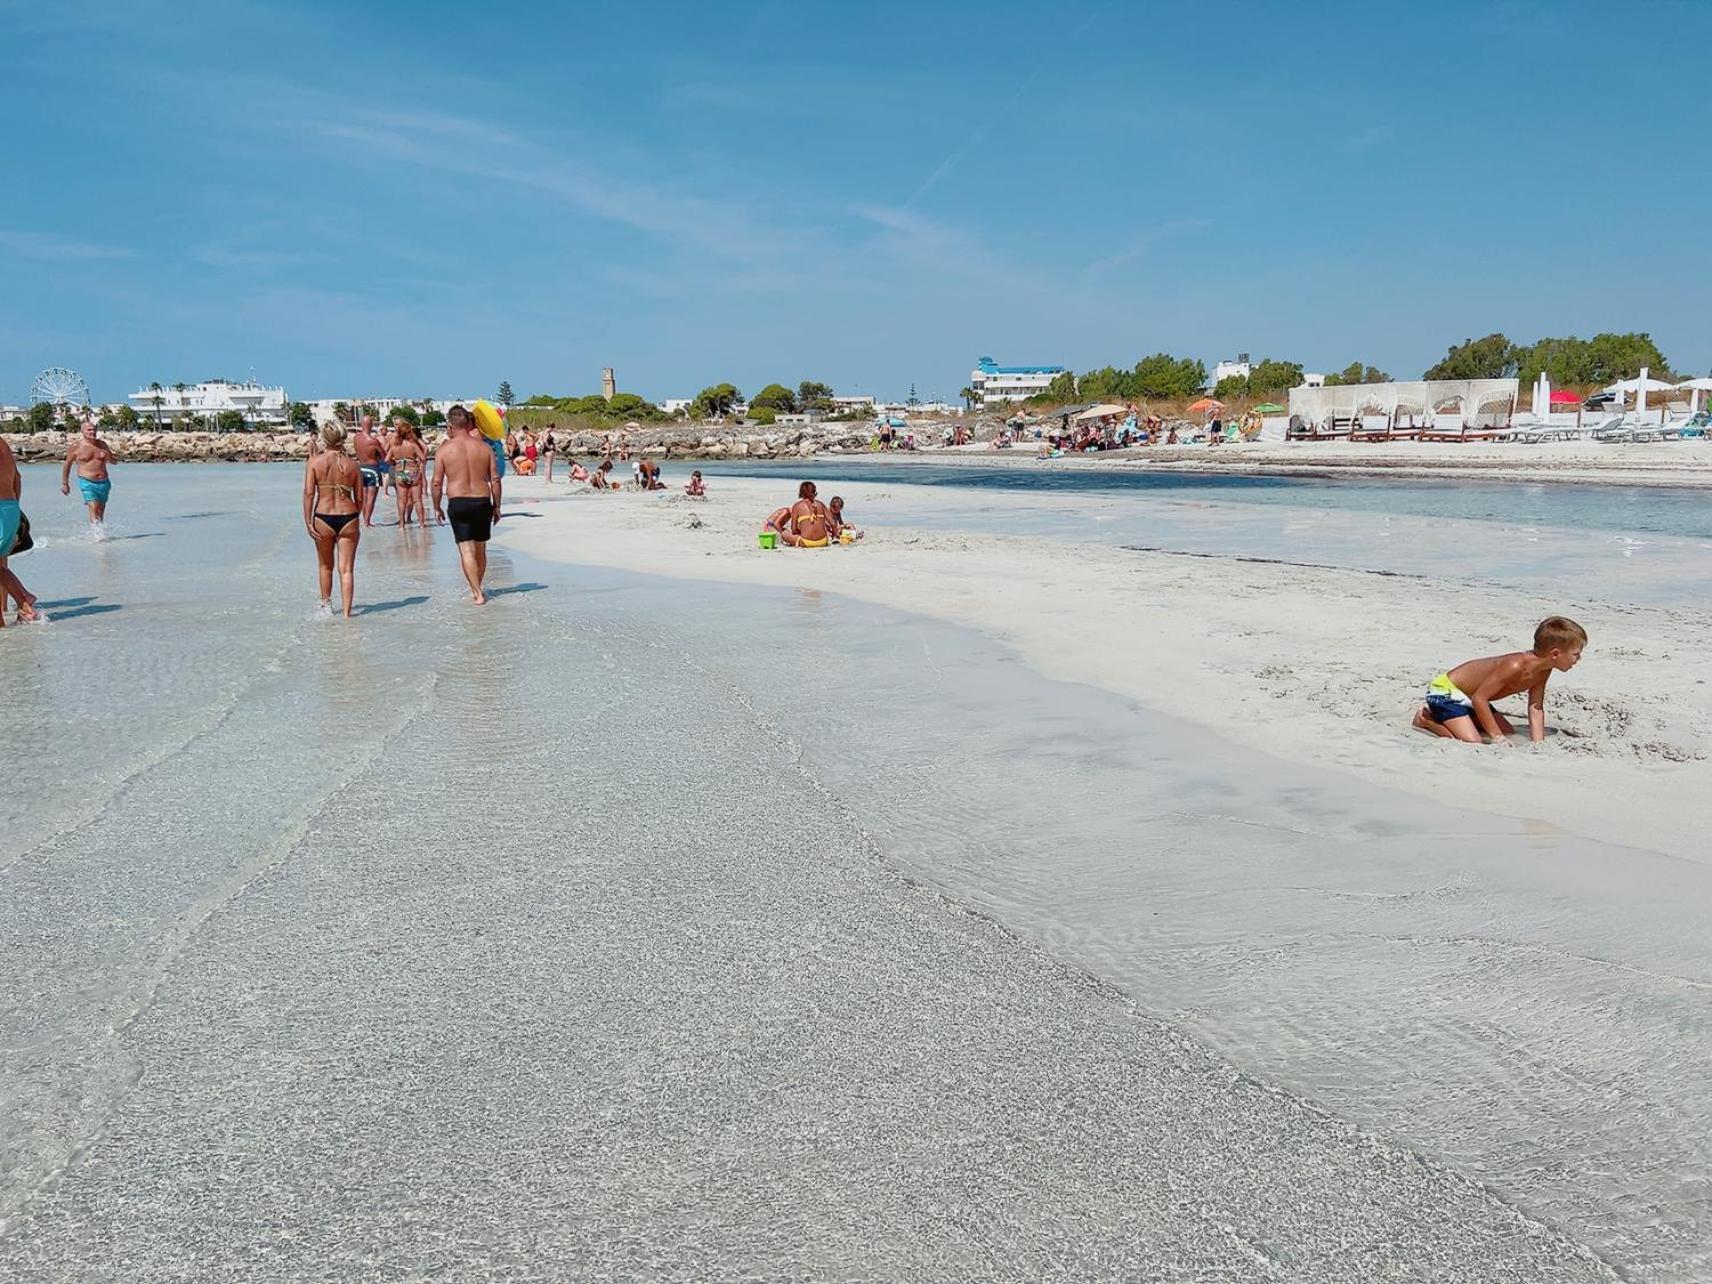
(589, 935)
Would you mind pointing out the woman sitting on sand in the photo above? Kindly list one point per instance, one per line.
(602, 478)
(331, 483)
(805, 524)
(696, 489)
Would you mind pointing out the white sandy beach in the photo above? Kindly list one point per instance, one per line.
(1316, 665)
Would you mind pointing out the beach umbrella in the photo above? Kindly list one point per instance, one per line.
(1269, 408)
(1564, 397)
(1205, 404)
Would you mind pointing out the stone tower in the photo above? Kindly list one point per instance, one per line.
(608, 385)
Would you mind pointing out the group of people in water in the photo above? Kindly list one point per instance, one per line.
(340, 490)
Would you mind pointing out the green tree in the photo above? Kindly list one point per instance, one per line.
(968, 395)
(1271, 377)
(407, 412)
(156, 398)
(504, 395)
(1105, 384)
(128, 419)
(342, 411)
(1605, 358)
(715, 400)
(762, 415)
(432, 418)
(627, 405)
(775, 397)
(107, 420)
(300, 415)
(1355, 373)
(814, 396)
(912, 399)
(1165, 376)
(1493, 357)
(230, 421)
(41, 417)
(1231, 386)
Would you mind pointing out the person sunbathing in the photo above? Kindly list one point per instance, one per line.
(1459, 702)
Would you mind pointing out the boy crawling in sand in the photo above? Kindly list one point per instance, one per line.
(1459, 703)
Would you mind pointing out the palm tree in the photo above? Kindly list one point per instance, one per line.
(155, 388)
(968, 395)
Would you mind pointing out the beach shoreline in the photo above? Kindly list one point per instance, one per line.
(1306, 663)
(1669, 464)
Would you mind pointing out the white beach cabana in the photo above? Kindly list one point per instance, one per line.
(1694, 387)
(1638, 388)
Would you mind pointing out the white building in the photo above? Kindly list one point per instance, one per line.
(177, 402)
(992, 382)
(677, 405)
(323, 407)
(1238, 369)
(844, 405)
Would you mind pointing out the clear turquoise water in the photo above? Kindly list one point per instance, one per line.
(367, 949)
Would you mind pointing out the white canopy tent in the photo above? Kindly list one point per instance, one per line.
(1694, 387)
(1638, 388)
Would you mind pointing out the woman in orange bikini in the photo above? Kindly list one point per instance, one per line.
(331, 483)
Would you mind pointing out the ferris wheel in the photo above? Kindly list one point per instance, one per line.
(59, 387)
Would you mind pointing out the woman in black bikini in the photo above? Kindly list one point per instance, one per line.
(548, 448)
(331, 484)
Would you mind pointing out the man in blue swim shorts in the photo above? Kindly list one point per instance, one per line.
(11, 516)
(91, 457)
(371, 454)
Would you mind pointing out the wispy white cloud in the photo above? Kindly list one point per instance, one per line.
(1146, 241)
(50, 247)
(226, 257)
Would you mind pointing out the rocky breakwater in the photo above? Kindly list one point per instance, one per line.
(170, 447)
(719, 441)
(677, 441)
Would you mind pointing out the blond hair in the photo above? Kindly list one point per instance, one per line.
(1558, 632)
(333, 435)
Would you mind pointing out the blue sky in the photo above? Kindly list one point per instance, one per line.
(425, 198)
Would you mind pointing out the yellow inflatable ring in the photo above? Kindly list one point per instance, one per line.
(489, 419)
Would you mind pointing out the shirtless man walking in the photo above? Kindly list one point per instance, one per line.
(91, 456)
(466, 482)
(11, 490)
(371, 453)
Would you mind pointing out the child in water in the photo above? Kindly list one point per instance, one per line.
(1459, 702)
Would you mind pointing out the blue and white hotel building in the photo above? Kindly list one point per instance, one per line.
(992, 382)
